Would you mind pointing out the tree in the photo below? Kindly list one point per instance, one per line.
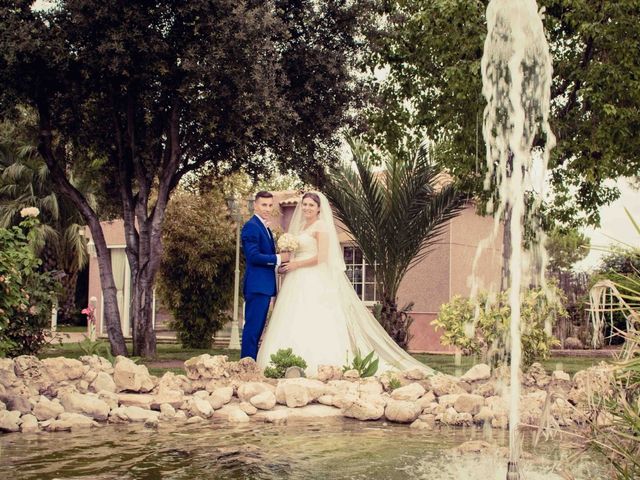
(25, 182)
(196, 273)
(565, 249)
(161, 89)
(395, 215)
(432, 51)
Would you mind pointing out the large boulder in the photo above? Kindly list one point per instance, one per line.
(264, 401)
(10, 421)
(364, 410)
(135, 400)
(468, 403)
(97, 363)
(445, 385)
(133, 414)
(293, 394)
(46, 409)
(62, 369)
(481, 371)
(20, 403)
(411, 392)
(103, 381)
(129, 376)
(402, 411)
(593, 380)
(85, 404)
(220, 397)
(250, 389)
(453, 418)
(206, 367)
(329, 372)
(70, 421)
(370, 386)
(29, 424)
(199, 407)
(7, 373)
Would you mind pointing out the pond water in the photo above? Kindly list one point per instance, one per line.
(327, 450)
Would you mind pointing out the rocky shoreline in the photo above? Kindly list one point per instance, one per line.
(62, 394)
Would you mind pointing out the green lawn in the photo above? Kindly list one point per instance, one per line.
(174, 352)
(71, 329)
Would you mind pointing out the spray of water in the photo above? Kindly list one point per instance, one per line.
(516, 77)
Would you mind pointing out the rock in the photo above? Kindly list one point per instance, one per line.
(498, 405)
(109, 398)
(103, 381)
(244, 370)
(135, 400)
(411, 392)
(475, 446)
(596, 379)
(167, 396)
(231, 413)
(315, 387)
(7, 372)
(445, 385)
(363, 410)
(131, 377)
(370, 386)
(10, 421)
(294, 372)
(97, 363)
(419, 424)
(480, 371)
(329, 372)
(351, 375)
(573, 343)
(415, 374)
(311, 412)
(200, 408)
(293, 395)
(447, 401)
(426, 399)
(206, 367)
(167, 412)
(326, 400)
(46, 409)
(201, 394)
(171, 381)
(29, 424)
(195, 419)
(484, 415)
(468, 403)
(487, 389)
(133, 414)
(220, 397)
(344, 400)
(536, 376)
(451, 417)
(402, 411)
(2, 406)
(85, 404)
(335, 387)
(247, 408)
(60, 368)
(20, 403)
(264, 401)
(250, 389)
(71, 421)
(277, 417)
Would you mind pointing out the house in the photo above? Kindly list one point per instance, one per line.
(442, 274)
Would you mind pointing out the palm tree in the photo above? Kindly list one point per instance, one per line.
(25, 182)
(395, 213)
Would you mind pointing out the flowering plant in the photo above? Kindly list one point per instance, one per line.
(287, 243)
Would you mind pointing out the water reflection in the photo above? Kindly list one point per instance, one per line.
(333, 450)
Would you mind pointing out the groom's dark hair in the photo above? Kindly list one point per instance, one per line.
(263, 194)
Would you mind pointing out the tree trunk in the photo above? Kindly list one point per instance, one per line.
(67, 303)
(395, 322)
(144, 336)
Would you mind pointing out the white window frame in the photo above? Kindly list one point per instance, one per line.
(365, 265)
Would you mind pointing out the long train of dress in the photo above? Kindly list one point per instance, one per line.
(319, 316)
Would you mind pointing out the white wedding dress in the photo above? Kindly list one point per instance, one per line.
(320, 317)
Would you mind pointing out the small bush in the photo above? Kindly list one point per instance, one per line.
(281, 360)
(483, 327)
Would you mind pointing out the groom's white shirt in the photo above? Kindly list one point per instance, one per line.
(278, 261)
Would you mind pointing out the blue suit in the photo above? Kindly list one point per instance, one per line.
(259, 283)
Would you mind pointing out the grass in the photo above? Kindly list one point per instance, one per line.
(174, 352)
(71, 329)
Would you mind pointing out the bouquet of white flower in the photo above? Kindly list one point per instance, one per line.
(287, 243)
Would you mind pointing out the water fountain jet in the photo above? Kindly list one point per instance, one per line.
(516, 77)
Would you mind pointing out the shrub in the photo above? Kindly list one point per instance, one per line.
(281, 360)
(197, 271)
(483, 327)
(27, 294)
(366, 367)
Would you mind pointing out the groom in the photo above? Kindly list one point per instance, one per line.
(260, 274)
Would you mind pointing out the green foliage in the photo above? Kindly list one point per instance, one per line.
(26, 293)
(395, 214)
(96, 347)
(483, 327)
(197, 270)
(432, 49)
(366, 367)
(281, 360)
(565, 248)
(394, 383)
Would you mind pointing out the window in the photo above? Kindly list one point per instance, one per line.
(360, 273)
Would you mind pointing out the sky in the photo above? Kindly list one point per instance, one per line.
(615, 226)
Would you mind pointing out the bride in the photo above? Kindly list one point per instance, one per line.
(317, 312)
